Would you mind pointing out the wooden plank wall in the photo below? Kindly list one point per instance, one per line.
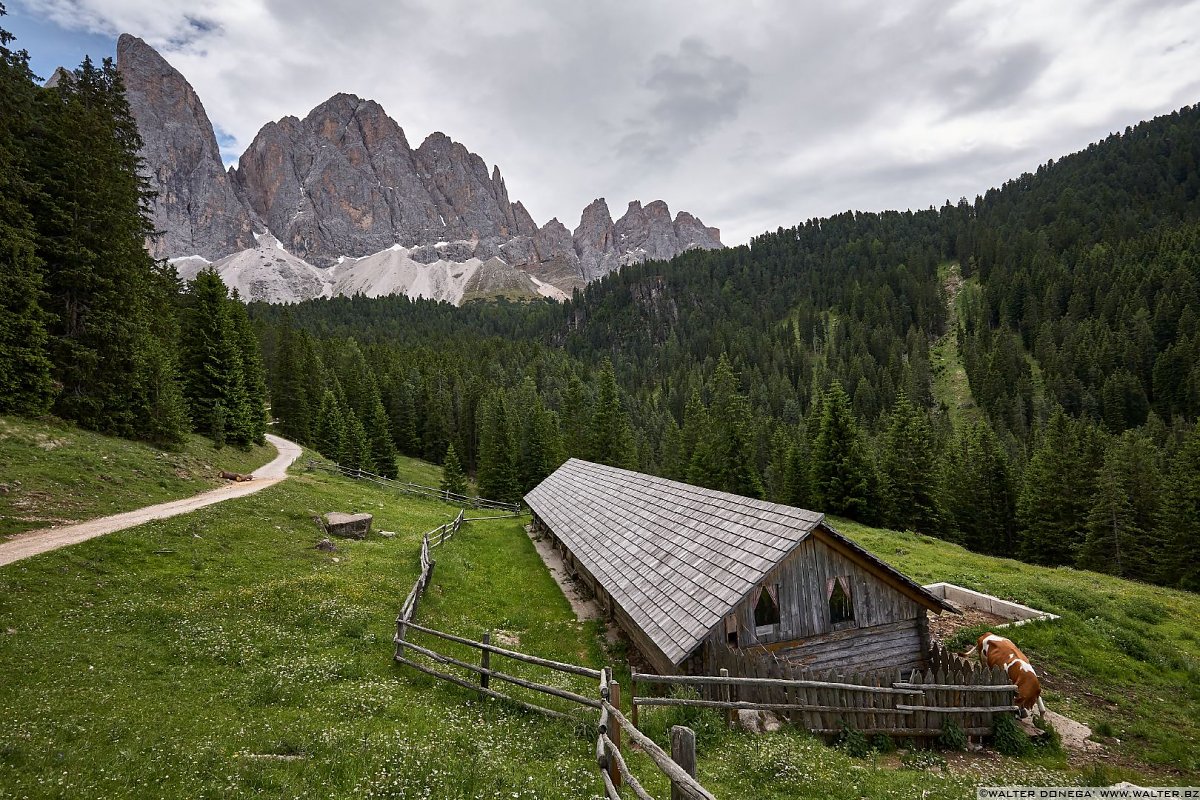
(948, 676)
(804, 605)
(883, 647)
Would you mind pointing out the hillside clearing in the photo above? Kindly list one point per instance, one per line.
(219, 654)
(57, 474)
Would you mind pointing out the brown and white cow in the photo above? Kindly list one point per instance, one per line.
(996, 651)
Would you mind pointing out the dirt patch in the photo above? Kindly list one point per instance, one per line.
(943, 626)
(506, 639)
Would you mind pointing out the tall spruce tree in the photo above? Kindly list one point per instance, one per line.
(329, 432)
(1180, 529)
(1056, 496)
(103, 289)
(610, 439)
(379, 435)
(356, 446)
(843, 477)
(497, 473)
(289, 393)
(26, 386)
(979, 491)
(725, 457)
(253, 378)
(453, 479)
(909, 468)
(211, 359)
(1123, 521)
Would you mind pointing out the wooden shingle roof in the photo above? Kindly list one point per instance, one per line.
(675, 557)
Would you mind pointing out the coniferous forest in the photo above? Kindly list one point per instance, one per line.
(93, 329)
(801, 368)
(808, 367)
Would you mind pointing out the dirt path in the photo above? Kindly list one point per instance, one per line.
(32, 543)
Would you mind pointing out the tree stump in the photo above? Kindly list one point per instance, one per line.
(348, 526)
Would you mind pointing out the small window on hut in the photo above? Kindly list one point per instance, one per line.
(841, 605)
(766, 610)
(731, 631)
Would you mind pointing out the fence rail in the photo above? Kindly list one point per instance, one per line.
(612, 764)
(415, 488)
(914, 706)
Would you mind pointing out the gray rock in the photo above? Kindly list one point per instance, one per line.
(348, 526)
(196, 208)
(594, 242)
(344, 181)
(326, 546)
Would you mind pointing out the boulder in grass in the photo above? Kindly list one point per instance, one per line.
(348, 526)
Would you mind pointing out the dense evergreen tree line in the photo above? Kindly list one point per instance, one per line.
(89, 322)
(798, 368)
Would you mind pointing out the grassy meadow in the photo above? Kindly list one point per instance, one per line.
(219, 654)
(52, 473)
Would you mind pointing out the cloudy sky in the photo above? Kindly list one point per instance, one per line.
(750, 114)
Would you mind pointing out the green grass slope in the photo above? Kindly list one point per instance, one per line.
(219, 654)
(1124, 657)
(55, 474)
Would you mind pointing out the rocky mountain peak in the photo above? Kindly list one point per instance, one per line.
(343, 188)
(196, 208)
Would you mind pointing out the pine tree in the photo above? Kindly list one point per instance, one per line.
(165, 417)
(909, 470)
(356, 447)
(253, 377)
(1123, 521)
(453, 479)
(330, 431)
(575, 415)
(1181, 518)
(26, 386)
(610, 439)
(724, 457)
(211, 360)
(289, 395)
(980, 496)
(103, 290)
(379, 435)
(843, 478)
(691, 435)
(1056, 496)
(497, 474)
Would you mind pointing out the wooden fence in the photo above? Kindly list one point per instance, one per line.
(826, 702)
(614, 770)
(415, 488)
(613, 767)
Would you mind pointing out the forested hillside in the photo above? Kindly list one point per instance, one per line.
(92, 329)
(798, 367)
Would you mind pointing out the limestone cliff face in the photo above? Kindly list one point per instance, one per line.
(196, 210)
(341, 182)
(344, 183)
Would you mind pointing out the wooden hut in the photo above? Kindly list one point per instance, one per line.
(679, 566)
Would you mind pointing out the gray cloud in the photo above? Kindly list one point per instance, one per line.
(750, 115)
(994, 81)
(692, 92)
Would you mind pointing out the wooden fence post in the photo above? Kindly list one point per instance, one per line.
(727, 696)
(683, 753)
(633, 711)
(614, 697)
(485, 662)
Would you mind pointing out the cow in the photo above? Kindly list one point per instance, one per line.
(996, 651)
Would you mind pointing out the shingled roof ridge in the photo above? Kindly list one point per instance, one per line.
(703, 492)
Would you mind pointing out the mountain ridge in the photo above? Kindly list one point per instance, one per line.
(345, 183)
